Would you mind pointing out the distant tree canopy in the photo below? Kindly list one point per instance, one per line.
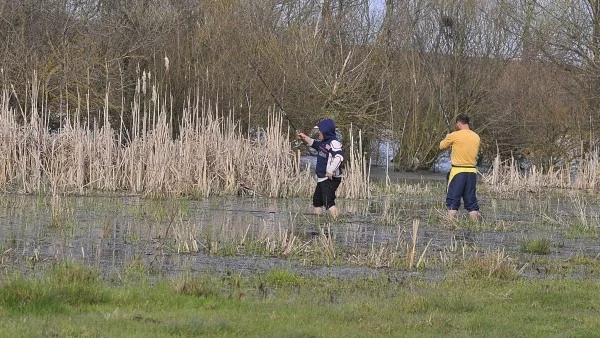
(526, 71)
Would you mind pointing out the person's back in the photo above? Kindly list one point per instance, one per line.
(465, 146)
(462, 178)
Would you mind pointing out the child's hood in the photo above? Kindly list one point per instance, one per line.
(327, 127)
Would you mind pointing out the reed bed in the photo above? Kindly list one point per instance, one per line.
(209, 156)
(506, 176)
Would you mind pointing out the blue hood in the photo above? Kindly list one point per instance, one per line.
(327, 127)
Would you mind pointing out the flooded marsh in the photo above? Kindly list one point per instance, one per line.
(401, 231)
(242, 215)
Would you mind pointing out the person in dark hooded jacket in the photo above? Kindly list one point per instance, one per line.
(328, 169)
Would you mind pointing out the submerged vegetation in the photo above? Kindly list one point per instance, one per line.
(409, 232)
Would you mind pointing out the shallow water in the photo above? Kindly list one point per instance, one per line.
(158, 236)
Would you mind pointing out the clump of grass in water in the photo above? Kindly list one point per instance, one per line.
(421, 189)
(389, 253)
(323, 248)
(185, 238)
(585, 221)
(382, 255)
(491, 265)
(537, 246)
(391, 213)
(62, 213)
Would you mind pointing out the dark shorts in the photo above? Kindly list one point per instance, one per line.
(463, 185)
(325, 193)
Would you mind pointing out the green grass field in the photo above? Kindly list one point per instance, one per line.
(73, 301)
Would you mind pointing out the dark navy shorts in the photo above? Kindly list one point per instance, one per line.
(325, 193)
(463, 185)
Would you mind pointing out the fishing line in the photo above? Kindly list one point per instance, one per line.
(417, 41)
(274, 98)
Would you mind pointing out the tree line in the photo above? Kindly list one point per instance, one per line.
(526, 71)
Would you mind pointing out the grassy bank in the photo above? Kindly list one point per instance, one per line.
(71, 300)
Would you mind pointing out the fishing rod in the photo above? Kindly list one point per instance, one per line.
(273, 96)
(439, 95)
(417, 41)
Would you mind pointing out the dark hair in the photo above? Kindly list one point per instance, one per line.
(462, 118)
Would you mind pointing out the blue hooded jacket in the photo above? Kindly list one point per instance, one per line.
(328, 149)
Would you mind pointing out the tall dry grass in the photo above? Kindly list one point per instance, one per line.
(210, 156)
(357, 176)
(507, 176)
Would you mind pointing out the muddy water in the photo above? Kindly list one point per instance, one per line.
(167, 237)
(120, 233)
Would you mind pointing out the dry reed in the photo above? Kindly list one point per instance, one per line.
(387, 254)
(209, 156)
(507, 176)
(184, 234)
(413, 246)
(356, 179)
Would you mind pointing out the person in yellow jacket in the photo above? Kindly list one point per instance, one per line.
(462, 179)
